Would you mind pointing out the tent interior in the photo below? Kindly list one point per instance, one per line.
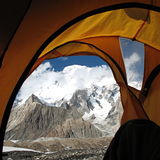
(33, 31)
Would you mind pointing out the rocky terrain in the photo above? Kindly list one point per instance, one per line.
(80, 154)
(88, 114)
(70, 148)
(79, 128)
(44, 121)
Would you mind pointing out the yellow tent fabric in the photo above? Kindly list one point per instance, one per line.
(143, 29)
(35, 30)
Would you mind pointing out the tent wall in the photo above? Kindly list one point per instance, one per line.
(39, 27)
(11, 15)
(150, 94)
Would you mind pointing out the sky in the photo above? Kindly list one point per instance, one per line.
(60, 77)
(133, 55)
(60, 63)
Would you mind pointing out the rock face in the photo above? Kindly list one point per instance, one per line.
(90, 113)
(113, 118)
(80, 99)
(75, 129)
(101, 106)
(39, 120)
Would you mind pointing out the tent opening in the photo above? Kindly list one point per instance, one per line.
(67, 104)
(90, 27)
(133, 56)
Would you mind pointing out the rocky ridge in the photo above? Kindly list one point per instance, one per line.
(44, 121)
(80, 128)
(90, 113)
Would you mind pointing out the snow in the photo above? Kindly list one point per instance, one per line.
(99, 113)
(10, 149)
(51, 86)
(14, 141)
(102, 98)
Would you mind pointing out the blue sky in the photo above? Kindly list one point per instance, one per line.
(90, 61)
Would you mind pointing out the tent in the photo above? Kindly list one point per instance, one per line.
(34, 30)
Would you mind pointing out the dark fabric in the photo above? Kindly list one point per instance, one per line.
(135, 140)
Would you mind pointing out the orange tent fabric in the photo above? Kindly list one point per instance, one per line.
(35, 30)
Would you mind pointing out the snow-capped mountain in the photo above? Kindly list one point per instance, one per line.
(95, 104)
(51, 86)
(90, 112)
(89, 93)
(88, 96)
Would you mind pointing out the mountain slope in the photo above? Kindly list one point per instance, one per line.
(91, 112)
(44, 121)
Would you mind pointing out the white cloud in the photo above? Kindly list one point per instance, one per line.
(49, 85)
(131, 67)
(132, 60)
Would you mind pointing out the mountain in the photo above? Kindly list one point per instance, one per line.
(33, 120)
(101, 106)
(89, 113)
(50, 86)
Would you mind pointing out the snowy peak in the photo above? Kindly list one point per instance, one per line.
(32, 99)
(98, 106)
(93, 98)
(51, 86)
(80, 99)
(44, 121)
